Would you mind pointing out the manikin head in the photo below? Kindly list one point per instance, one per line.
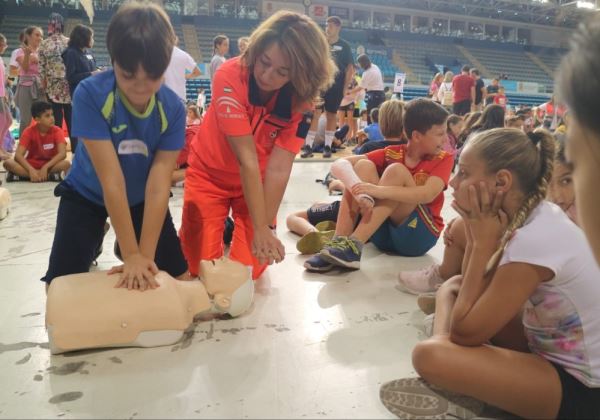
(229, 284)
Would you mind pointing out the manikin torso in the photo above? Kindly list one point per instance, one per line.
(86, 311)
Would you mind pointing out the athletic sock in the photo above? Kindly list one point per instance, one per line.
(329, 136)
(310, 138)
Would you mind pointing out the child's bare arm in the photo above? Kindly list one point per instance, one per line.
(60, 156)
(158, 187)
(138, 270)
(20, 158)
(422, 194)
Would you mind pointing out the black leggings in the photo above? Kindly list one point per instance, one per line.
(61, 111)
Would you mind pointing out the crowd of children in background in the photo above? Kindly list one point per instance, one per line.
(510, 308)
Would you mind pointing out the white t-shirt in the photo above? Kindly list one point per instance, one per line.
(13, 58)
(215, 63)
(181, 62)
(562, 316)
(372, 79)
(445, 94)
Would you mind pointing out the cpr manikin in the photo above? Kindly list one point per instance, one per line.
(343, 170)
(4, 202)
(85, 311)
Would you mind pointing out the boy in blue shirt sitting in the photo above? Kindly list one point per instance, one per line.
(371, 132)
(132, 129)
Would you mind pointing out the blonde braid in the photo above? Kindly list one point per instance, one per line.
(545, 144)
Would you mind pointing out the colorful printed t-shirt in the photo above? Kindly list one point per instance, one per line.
(439, 165)
(101, 112)
(561, 316)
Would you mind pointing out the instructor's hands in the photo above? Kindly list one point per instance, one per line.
(266, 247)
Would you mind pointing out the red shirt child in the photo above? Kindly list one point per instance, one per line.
(439, 165)
(41, 147)
(500, 98)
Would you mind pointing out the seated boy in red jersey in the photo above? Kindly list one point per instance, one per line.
(42, 152)
(406, 183)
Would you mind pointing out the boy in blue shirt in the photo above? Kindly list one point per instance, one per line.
(132, 130)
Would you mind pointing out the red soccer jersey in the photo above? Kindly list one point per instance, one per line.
(41, 147)
(439, 165)
(461, 87)
(236, 110)
(501, 100)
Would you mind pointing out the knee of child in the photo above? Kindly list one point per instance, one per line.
(364, 167)
(428, 357)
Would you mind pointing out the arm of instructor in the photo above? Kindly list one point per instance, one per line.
(138, 270)
(266, 247)
(276, 178)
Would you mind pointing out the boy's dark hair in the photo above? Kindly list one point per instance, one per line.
(80, 37)
(577, 78)
(453, 119)
(465, 68)
(475, 72)
(334, 19)
(560, 151)
(421, 114)
(141, 34)
(374, 115)
(39, 107)
(364, 61)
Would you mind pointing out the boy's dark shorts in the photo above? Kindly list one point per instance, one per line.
(412, 238)
(80, 232)
(323, 212)
(333, 97)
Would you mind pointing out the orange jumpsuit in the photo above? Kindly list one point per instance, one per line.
(212, 182)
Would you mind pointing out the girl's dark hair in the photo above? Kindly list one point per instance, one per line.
(578, 81)
(218, 40)
(80, 37)
(141, 34)
(453, 119)
(491, 117)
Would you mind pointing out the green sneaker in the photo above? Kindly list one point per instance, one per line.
(313, 242)
(325, 225)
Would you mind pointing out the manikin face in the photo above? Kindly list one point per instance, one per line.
(471, 171)
(583, 152)
(229, 283)
(561, 190)
(137, 87)
(431, 143)
(271, 69)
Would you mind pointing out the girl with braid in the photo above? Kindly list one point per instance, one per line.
(519, 330)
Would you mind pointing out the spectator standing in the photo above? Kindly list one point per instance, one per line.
(79, 62)
(53, 73)
(181, 67)
(342, 54)
(434, 86)
(444, 93)
(29, 87)
(220, 48)
(480, 90)
(243, 43)
(463, 87)
(491, 91)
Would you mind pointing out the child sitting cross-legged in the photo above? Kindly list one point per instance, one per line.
(42, 152)
(398, 191)
(518, 330)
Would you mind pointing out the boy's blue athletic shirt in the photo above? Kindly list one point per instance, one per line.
(101, 112)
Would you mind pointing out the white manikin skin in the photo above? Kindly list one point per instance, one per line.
(85, 311)
(4, 202)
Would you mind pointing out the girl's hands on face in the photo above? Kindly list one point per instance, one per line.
(485, 220)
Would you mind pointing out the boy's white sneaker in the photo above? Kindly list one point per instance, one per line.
(420, 281)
